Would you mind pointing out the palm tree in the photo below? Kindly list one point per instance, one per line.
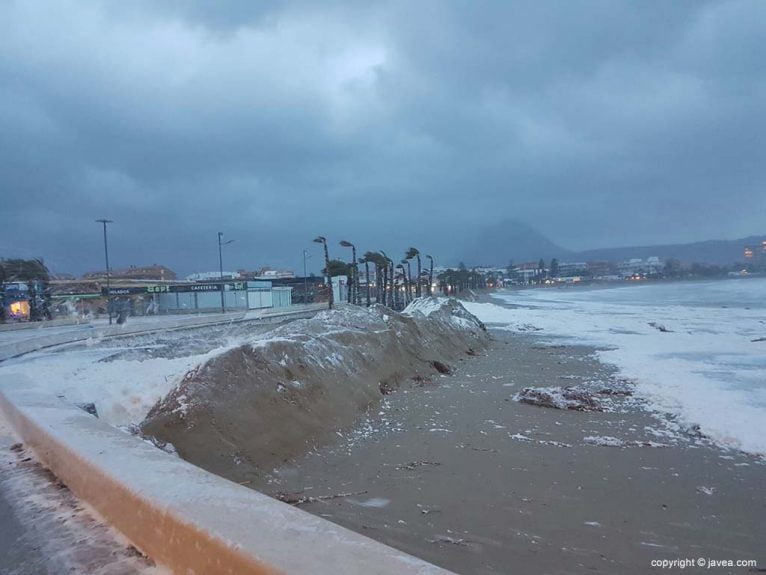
(392, 273)
(379, 262)
(18, 270)
(431, 276)
(414, 253)
(322, 240)
(382, 261)
(404, 281)
(337, 268)
(352, 292)
(392, 281)
(383, 284)
(374, 258)
(407, 281)
(366, 263)
(35, 274)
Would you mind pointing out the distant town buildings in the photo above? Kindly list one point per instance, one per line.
(261, 274)
(639, 267)
(212, 276)
(269, 273)
(526, 273)
(573, 272)
(154, 272)
(755, 252)
(602, 270)
(571, 269)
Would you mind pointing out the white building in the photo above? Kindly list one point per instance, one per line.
(211, 276)
(200, 297)
(571, 269)
(270, 274)
(640, 267)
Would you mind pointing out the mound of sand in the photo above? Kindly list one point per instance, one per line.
(283, 393)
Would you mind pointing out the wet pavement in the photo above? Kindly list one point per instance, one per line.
(44, 529)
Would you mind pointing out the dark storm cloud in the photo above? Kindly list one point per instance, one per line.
(600, 123)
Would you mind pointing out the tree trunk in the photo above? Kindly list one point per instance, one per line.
(418, 291)
(329, 277)
(392, 271)
(383, 284)
(367, 275)
(431, 278)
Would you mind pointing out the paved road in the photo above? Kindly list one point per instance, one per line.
(45, 530)
(17, 555)
(150, 323)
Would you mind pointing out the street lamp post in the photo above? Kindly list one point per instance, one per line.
(366, 263)
(389, 266)
(108, 283)
(305, 280)
(322, 240)
(352, 294)
(220, 268)
(431, 276)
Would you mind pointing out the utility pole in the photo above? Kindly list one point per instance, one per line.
(108, 283)
(220, 268)
(322, 240)
(430, 276)
(305, 280)
(352, 293)
(387, 264)
(367, 277)
(409, 280)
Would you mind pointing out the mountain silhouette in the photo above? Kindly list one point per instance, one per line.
(501, 243)
(498, 244)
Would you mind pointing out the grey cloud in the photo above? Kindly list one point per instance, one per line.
(600, 123)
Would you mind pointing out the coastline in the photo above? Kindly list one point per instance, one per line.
(698, 356)
(452, 469)
(460, 474)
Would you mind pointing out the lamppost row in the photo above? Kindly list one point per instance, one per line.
(108, 283)
(220, 268)
(354, 275)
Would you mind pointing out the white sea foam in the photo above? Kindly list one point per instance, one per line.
(697, 362)
(123, 390)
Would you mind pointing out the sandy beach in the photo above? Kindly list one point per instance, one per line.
(459, 473)
(448, 467)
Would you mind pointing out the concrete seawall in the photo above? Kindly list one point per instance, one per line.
(182, 517)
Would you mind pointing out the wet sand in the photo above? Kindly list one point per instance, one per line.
(460, 474)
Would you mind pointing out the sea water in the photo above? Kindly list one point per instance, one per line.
(692, 347)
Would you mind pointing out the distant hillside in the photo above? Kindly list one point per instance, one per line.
(501, 243)
(708, 252)
(498, 244)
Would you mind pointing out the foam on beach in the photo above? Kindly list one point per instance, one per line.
(121, 381)
(691, 347)
(282, 394)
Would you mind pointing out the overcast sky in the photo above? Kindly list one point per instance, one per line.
(403, 123)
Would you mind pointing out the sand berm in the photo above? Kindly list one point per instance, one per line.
(283, 393)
